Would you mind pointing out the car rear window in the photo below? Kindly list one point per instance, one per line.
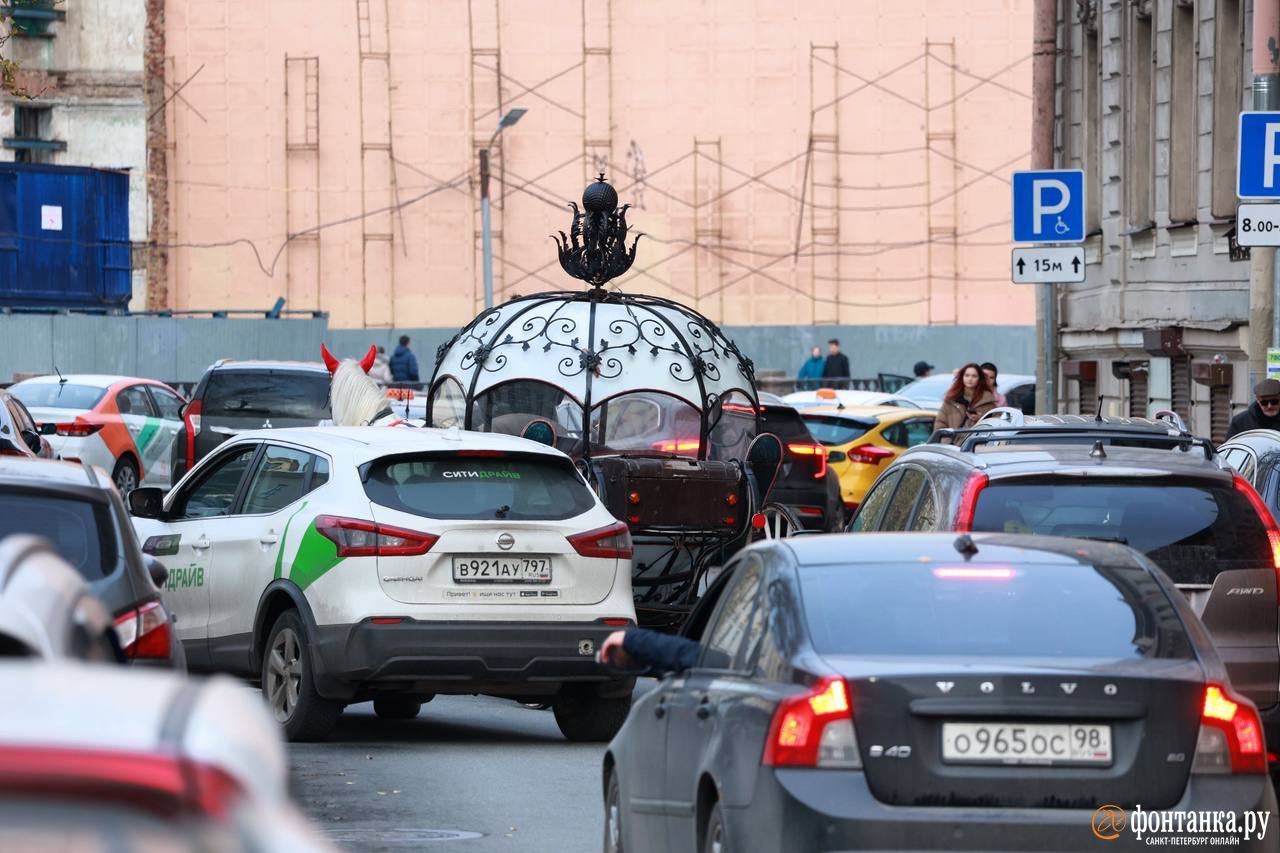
(784, 422)
(54, 395)
(81, 531)
(834, 430)
(973, 610)
(510, 486)
(1192, 530)
(267, 393)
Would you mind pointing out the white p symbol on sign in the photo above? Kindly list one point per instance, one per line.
(1270, 157)
(1040, 209)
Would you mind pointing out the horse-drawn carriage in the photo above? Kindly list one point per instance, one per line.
(657, 407)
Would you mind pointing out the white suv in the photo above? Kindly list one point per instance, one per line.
(342, 564)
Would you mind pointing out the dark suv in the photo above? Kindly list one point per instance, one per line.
(235, 396)
(1143, 483)
(81, 514)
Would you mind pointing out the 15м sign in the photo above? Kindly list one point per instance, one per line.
(1048, 264)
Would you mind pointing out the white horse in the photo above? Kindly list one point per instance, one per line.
(354, 398)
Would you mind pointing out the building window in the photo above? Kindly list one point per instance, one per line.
(1091, 118)
(1138, 139)
(1183, 162)
(30, 123)
(1228, 99)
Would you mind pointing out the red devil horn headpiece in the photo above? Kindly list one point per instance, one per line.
(367, 361)
(329, 361)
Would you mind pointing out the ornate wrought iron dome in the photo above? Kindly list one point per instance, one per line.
(590, 346)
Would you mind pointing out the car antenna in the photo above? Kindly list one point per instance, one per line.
(965, 545)
(1097, 418)
(1097, 452)
(62, 380)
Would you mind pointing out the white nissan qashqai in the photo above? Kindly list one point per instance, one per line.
(343, 564)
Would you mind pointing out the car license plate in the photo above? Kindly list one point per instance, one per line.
(501, 570)
(1035, 743)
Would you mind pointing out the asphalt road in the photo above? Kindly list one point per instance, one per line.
(469, 774)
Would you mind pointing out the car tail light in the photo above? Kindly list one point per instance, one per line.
(145, 633)
(612, 541)
(869, 454)
(1230, 739)
(969, 501)
(814, 729)
(78, 429)
(191, 415)
(357, 538)
(678, 445)
(162, 784)
(487, 454)
(815, 450)
(1268, 521)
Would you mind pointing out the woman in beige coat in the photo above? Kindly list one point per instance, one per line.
(966, 401)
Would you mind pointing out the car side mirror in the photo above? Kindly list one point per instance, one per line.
(32, 440)
(836, 456)
(155, 568)
(146, 502)
(49, 429)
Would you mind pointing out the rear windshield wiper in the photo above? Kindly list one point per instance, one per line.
(1120, 540)
(501, 512)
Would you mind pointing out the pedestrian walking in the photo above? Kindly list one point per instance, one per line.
(992, 373)
(1263, 412)
(381, 370)
(403, 363)
(836, 367)
(922, 369)
(966, 401)
(810, 375)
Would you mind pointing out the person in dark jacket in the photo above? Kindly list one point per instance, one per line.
(404, 364)
(1263, 412)
(640, 646)
(837, 366)
(810, 376)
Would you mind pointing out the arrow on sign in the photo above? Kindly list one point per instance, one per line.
(1075, 265)
(1022, 265)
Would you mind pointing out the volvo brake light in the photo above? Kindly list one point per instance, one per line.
(1230, 739)
(814, 729)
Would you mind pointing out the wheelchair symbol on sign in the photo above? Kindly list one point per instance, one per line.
(1061, 226)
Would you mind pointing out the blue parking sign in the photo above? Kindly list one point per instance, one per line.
(1048, 206)
(1258, 155)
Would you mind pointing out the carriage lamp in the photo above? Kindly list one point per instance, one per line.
(633, 498)
(731, 499)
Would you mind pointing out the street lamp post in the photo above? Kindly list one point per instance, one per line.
(506, 121)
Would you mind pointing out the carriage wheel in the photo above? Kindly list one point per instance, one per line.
(779, 523)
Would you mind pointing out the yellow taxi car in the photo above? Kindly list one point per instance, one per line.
(862, 440)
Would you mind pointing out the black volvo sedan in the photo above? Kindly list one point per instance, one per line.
(929, 691)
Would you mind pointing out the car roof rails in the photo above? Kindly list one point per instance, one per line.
(1006, 415)
(1172, 417)
(1084, 432)
(91, 474)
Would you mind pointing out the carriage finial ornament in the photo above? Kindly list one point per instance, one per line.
(595, 250)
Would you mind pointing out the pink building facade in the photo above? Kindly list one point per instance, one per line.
(789, 163)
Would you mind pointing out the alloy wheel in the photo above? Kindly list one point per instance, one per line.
(284, 674)
(126, 480)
